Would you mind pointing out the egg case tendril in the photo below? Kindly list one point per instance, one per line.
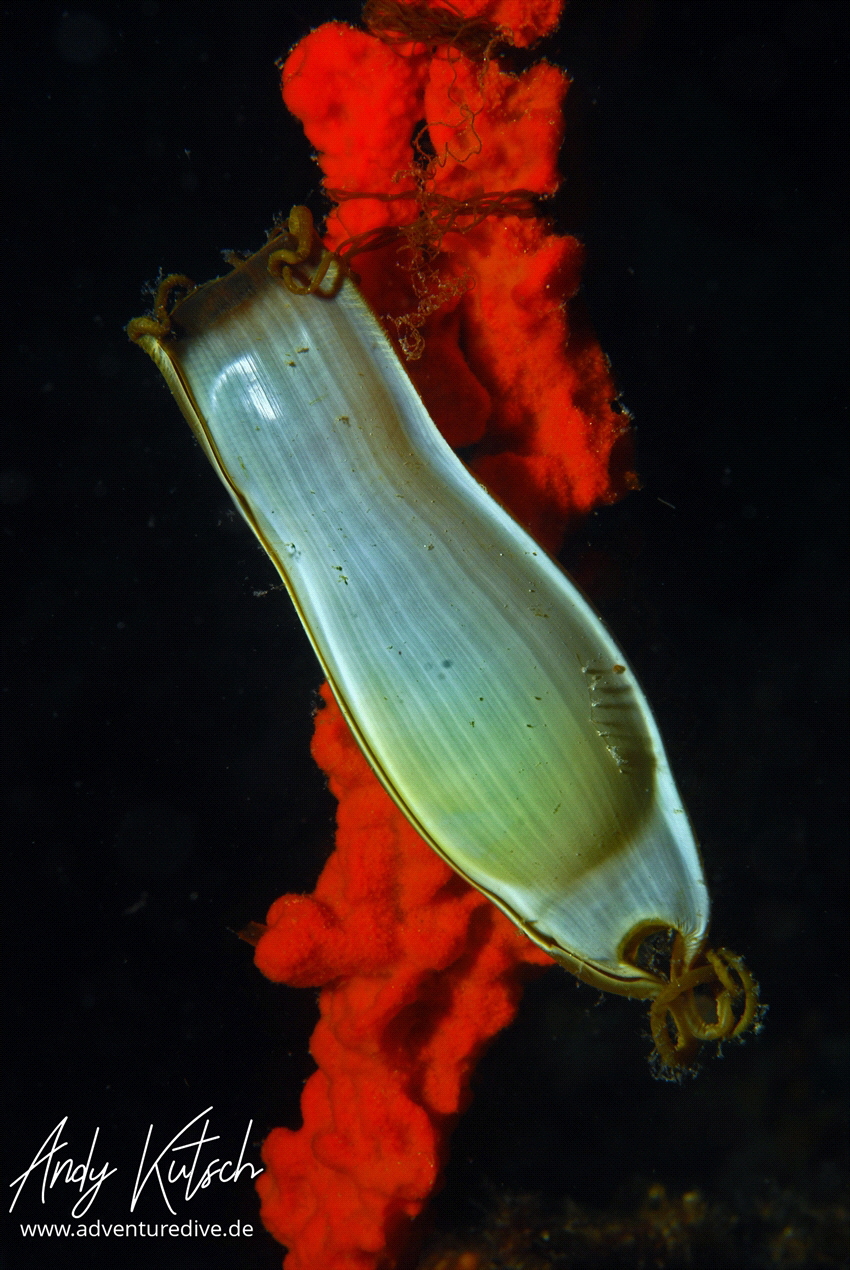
(680, 1015)
(158, 324)
(434, 26)
(304, 241)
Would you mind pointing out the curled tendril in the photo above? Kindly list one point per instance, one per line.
(420, 241)
(302, 243)
(159, 326)
(422, 237)
(439, 215)
(715, 1001)
(416, 22)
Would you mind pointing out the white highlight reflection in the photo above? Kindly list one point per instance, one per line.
(245, 373)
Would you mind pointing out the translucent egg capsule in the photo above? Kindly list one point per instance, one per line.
(486, 693)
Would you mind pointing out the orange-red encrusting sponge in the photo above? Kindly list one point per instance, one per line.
(502, 368)
(417, 970)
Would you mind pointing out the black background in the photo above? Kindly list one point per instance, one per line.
(158, 688)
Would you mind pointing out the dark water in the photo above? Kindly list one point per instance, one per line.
(158, 690)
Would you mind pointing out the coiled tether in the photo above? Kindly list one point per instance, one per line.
(714, 1001)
